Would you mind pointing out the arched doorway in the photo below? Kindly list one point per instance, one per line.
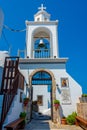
(43, 77)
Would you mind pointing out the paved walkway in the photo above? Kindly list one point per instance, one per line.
(48, 125)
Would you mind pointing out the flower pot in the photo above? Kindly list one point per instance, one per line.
(63, 121)
(25, 103)
(56, 106)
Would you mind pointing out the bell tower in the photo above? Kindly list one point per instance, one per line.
(42, 36)
(44, 71)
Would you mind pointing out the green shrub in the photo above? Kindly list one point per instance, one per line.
(71, 118)
(56, 101)
(84, 95)
(23, 114)
(74, 114)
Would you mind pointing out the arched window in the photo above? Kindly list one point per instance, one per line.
(42, 78)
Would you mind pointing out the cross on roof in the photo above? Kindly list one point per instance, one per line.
(42, 8)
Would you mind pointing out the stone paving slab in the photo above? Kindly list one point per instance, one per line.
(64, 127)
(48, 125)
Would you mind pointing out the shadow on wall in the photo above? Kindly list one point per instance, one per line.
(35, 106)
(61, 112)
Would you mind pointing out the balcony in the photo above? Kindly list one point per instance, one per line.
(41, 53)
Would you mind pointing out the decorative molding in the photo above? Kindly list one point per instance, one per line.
(42, 60)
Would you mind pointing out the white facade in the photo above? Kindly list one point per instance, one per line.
(42, 28)
(68, 92)
(3, 54)
(59, 71)
(14, 111)
(42, 90)
(51, 30)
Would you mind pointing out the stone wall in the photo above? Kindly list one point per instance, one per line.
(82, 110)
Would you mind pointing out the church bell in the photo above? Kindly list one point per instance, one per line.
(41, 43)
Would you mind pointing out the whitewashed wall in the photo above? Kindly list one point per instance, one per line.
(15, 109)
(43, 91)
(3, 54)
(52, 30)
(59, 72)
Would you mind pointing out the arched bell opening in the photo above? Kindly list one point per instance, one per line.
(42, 48)
(41, 43)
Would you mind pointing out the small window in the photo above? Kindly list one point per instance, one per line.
(64, 82)
(40, 100)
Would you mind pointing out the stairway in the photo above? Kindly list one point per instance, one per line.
(10, 83)
(39, 116)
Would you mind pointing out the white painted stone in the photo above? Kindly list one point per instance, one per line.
(15, 109)
(59, 72)
(3, 54)
(58, 67)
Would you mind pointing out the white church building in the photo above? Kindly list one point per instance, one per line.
(41, 75)
(44, 71)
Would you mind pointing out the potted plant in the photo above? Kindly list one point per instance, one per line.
(25, 101)
(71, 119)
(23, 115)
(56, 104)
(63, 120)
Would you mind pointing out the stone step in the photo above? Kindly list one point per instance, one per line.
(37, 116)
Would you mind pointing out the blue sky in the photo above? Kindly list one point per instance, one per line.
(72, 31)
